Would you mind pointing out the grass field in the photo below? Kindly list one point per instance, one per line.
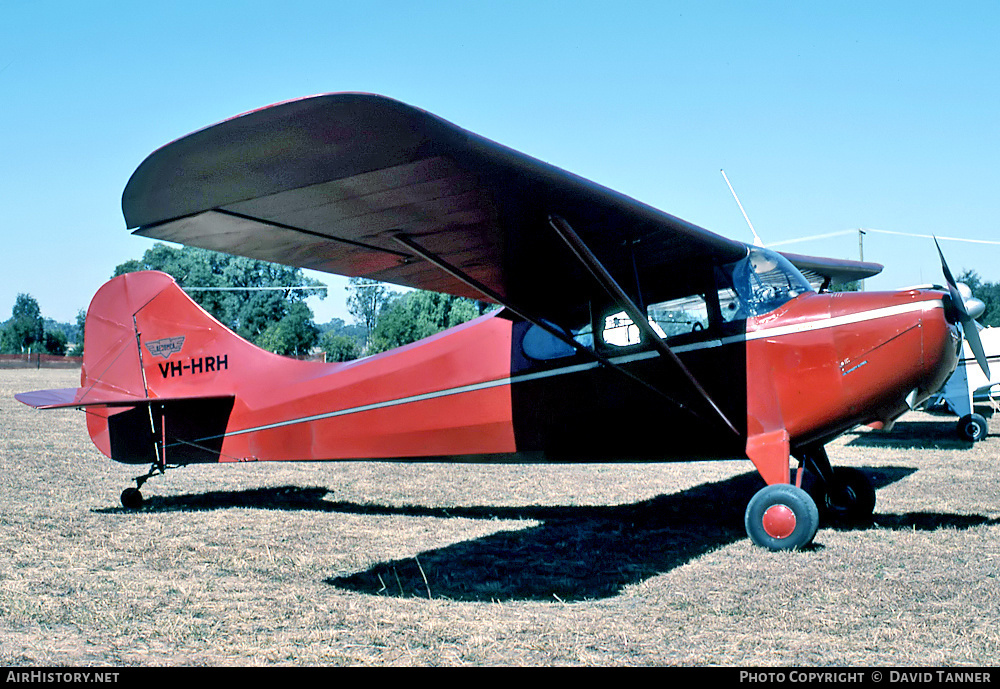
(435, 564)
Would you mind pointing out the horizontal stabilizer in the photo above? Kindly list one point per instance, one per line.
(63, 398)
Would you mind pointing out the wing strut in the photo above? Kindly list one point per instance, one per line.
(600, 273)
(547, 327)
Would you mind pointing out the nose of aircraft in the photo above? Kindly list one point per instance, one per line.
(907, 367)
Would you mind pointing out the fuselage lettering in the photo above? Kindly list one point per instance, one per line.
(194, 366)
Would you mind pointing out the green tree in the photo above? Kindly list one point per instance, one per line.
(25, 331)
(851, 286)
(339, 347)
(81, 323)
(416, 315)
(337, 326)
(365, 301)
(295, 334)
(241, 293)
(54, 342)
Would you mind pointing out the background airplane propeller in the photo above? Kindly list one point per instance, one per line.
(969, 327)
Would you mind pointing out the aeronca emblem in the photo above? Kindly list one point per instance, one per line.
(166, 346)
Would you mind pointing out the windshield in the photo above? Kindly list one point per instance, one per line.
(765, 280)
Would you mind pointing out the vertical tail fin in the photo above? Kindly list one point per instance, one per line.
(146, 338)
(154, 363)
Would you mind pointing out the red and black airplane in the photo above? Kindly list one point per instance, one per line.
(625, 334)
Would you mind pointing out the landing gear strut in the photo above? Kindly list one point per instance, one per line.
(843, 495)
(132, 497)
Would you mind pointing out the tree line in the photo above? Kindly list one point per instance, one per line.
(26, 331)
(265, 304)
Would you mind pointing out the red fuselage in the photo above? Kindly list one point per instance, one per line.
(824, 363)
(803, 373)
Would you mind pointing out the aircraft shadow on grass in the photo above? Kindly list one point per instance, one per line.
(918, 435)
(574, 553)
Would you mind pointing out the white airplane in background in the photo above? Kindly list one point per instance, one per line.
(969, 384)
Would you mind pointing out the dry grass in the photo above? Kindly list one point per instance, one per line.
(428, 564)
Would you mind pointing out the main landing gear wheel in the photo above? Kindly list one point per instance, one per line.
(131, 499)
(781, 517)
(851, 498)
(972, 427)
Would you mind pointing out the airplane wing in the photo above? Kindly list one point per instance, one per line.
(821, 271)
(331, 182)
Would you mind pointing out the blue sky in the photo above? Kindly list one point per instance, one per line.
(827, 117)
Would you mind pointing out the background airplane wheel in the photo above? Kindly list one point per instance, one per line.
(781, 517)
(972, 427)
(851, 501)
(131, 499)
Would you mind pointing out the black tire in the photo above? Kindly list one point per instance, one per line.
(850, 501)
(131, 499)
(781, 517)
(972, 427)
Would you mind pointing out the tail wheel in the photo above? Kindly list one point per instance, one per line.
(851, 498)
(131, 499)
(972, 427)
(781, 517)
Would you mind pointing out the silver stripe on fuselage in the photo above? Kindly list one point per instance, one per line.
(780, 331)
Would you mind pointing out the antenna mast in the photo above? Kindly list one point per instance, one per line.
(756, 239)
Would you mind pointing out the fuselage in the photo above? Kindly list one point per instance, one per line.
(840, 359)
(499, 389)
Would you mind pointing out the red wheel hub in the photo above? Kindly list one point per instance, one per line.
(778, 521)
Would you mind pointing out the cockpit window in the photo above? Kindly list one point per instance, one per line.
(620, 331)
(679, 316)
(668, 319)
(765, 280)
(690, 306)
(541, 345)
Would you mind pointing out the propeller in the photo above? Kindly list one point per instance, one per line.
(968, 322)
